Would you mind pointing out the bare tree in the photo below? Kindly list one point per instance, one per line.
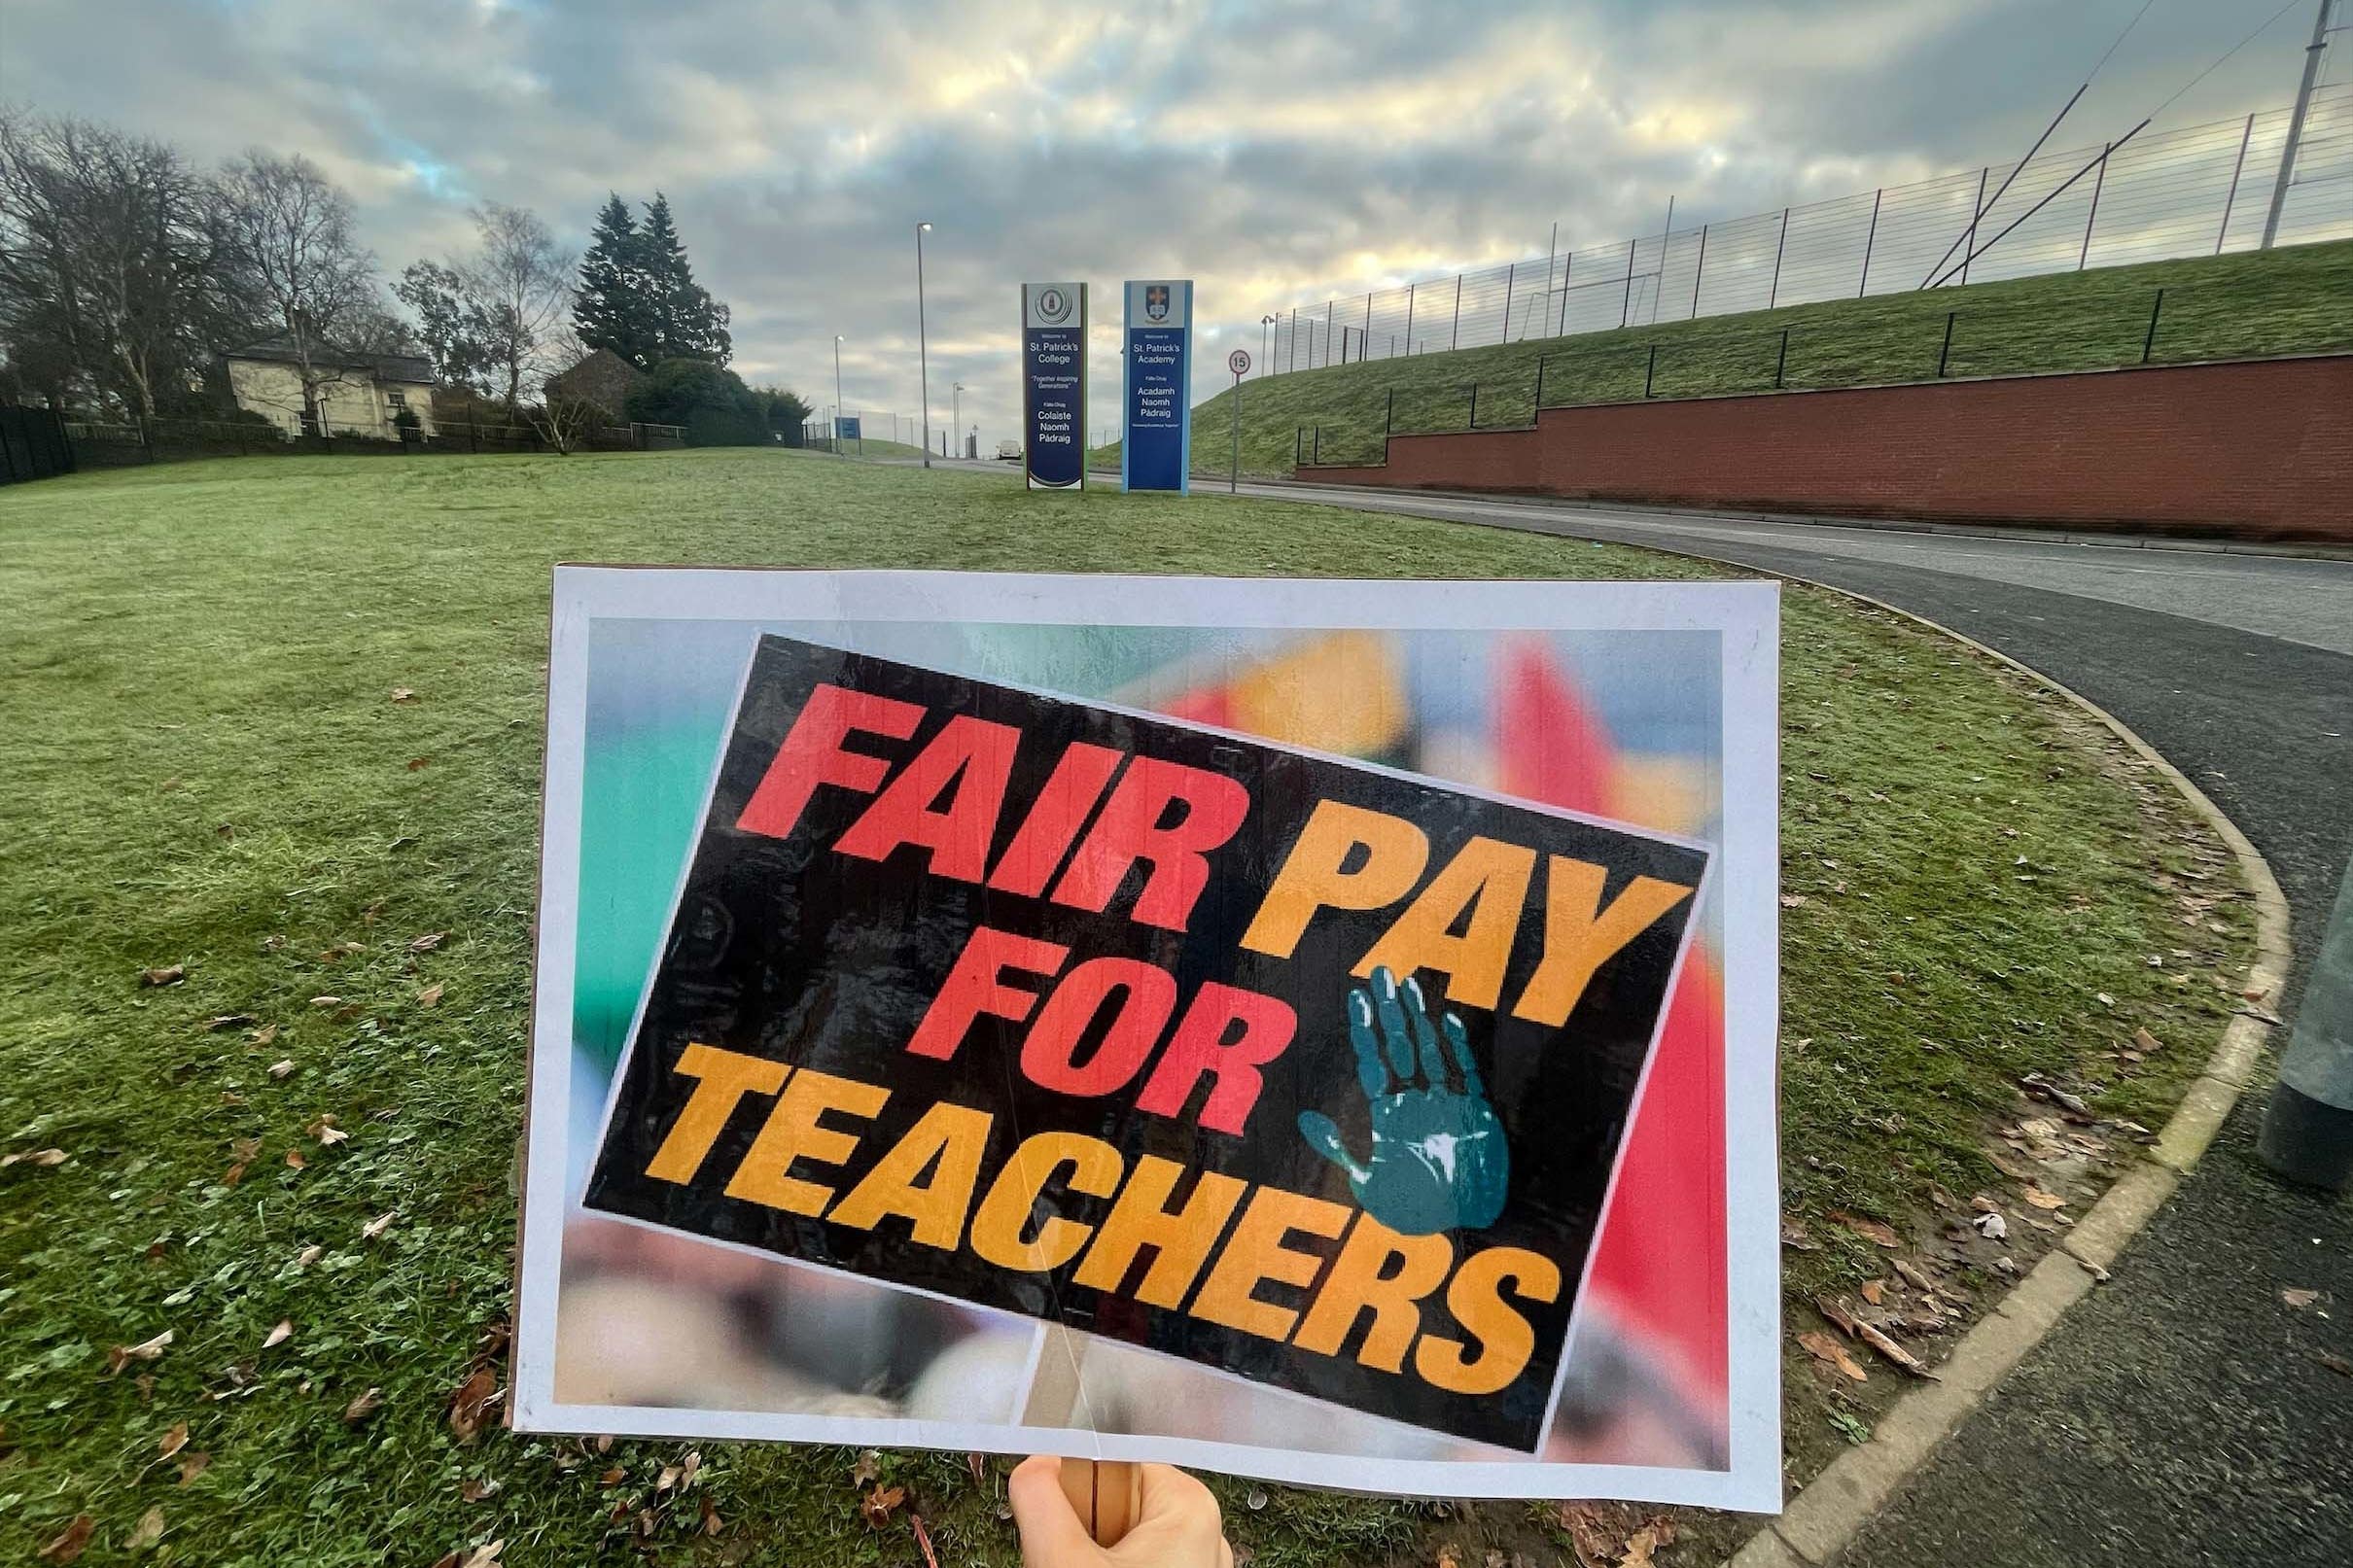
(564, 422)
(522, 285)
(109, 260)
(295, 260)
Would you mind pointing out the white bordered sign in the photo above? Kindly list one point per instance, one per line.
(801, 1167)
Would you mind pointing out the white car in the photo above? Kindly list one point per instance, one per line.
(1008, 451)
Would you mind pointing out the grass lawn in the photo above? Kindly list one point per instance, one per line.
(876, 446)
(2281, 302)
(206, 768)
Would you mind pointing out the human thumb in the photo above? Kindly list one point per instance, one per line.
(1052, 1535)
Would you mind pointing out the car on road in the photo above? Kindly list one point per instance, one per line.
(1008, 451)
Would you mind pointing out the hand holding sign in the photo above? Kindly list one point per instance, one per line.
(1439, 1158)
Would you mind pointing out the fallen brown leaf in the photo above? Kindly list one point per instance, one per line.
(1877, 1232)
(1893, 1351)
(1822, 1347)
(475, 1488)
(2043, 1200)
(416, 762)
(230, 1020)
(280, 1335)
(877, 1505)
(192, 1463)
(174, 1440)
(1639, 1548)
(712, 1522)
(147, 1532)
(263, 1035)
(1794, 1237)
(2146, 1043)
(431, 995)
(69, 1546)
(867, 1467)
(667, 1478)
(294, 1160)
(428, 941)
(1875, 1291)
(378, 1226)
(469, 1405)
(234, 1174)
(282, 1069)
(308, 1256)
(171, 975)
(403, 694)
(122, 1355)
(46, 1159)
(613, 1477)
(2335, 1364)
(1590, 1537)
(362, 1407)
(2300, 1299)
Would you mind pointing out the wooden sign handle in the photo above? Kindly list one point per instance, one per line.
(1108, 1495)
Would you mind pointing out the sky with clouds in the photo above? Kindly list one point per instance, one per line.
(1277, 152)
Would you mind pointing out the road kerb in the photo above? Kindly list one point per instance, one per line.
(1819, 1530)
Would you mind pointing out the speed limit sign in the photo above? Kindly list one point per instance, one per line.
(1239, 361)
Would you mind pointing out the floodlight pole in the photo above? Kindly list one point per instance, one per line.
(922, 346)
(956, 407)
(2296, 122)
(838, 451)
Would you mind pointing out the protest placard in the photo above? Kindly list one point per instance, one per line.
(1082, 1012)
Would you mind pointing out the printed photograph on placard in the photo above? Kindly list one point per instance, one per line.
(1251, 1037)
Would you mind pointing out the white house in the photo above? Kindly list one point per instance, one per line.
(357, 394)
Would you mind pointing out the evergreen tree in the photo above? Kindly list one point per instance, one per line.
(615, 306)
(686, 323)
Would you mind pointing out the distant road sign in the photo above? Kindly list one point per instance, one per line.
(846, 428)
(1239, 361)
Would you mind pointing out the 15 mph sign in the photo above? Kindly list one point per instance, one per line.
(1239, 361)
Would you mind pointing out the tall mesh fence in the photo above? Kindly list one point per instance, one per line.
(2202, 190)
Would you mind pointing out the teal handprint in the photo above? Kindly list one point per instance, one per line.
(1439, 1156)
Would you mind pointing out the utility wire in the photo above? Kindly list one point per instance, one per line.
(2262, 27)
(2127, 33)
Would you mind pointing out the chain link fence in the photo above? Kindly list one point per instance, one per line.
(2203, 190)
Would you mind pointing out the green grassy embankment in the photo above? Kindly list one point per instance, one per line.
(207, 767)
(2292, 300)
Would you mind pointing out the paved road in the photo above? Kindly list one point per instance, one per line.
(2179, 1415)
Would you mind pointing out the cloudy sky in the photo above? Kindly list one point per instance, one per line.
(1277, 152)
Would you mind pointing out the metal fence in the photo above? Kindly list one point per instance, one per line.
(2199, 190)
(2116, 328)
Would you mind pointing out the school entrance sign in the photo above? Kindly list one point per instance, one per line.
(1054, 384)
(1156, 447)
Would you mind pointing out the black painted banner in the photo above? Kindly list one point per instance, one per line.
(1298, 1069)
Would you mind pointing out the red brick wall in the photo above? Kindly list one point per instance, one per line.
(2253, 449)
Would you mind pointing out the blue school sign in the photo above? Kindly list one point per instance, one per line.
(1156, 445)
(845, 429)
(1054, 385)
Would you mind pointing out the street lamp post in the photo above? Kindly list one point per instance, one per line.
(956, 407)
(1266, 344)
(922, 346)
(838, 451)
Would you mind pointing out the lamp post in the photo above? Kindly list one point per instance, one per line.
(956, 409)
(838, 451)
(1266, 342)
(923, 347)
